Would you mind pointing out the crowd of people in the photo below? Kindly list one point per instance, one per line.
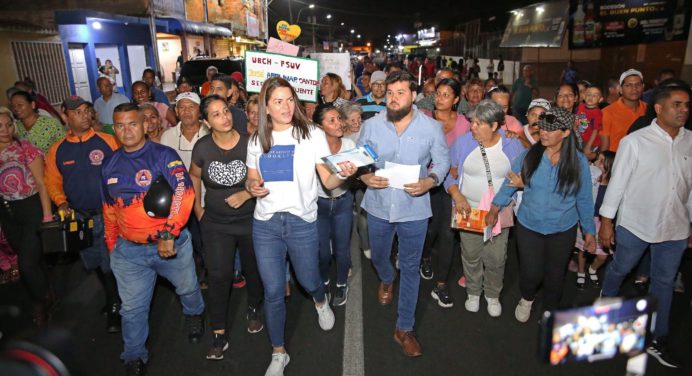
(245, 173)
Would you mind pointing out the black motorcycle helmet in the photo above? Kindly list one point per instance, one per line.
(157, 200)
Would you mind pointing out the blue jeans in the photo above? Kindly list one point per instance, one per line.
(135, 267)
(334, 222)
(285, 234)
(665, 260)
(97, 256)
(411, 239)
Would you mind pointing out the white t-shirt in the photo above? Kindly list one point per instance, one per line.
(346, 144)
(172, 137)
(288, 171)
(474, 180)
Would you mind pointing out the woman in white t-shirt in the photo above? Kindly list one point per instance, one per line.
(284, 164)
(335, 209)
(480, 161)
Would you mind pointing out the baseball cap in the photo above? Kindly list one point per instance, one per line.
(378, 76)
(556, 118)
(237, 76)
(630, 72)
(212, 67)
(188, 95)
(539, 102)
(73, 102)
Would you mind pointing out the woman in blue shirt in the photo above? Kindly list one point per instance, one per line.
(557, 195)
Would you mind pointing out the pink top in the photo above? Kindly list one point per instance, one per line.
(513, 124)
(16, 180)
(460, 128)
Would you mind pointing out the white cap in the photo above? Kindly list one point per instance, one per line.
(630, 72)
(540, 102)
(212, 67)
(188, 95)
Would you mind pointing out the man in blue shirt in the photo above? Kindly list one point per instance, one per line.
(105, 104)
(149, 76)
(402, 135)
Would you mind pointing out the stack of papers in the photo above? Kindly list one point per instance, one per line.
(399, 174)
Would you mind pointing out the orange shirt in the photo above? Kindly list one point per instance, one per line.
(617, 119)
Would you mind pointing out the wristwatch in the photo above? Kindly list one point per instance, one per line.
(165, 235)
(436, 180)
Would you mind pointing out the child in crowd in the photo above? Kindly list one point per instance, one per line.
(600, 174)
(590, 121)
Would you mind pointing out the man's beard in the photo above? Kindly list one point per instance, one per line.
(396, 115)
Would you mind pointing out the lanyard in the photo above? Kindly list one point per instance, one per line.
(488, 175)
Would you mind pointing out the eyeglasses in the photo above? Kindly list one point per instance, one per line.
(180, 139)
(550, 118)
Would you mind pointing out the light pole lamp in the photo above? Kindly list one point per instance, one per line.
(311, 6)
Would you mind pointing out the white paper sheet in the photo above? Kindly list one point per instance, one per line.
(399, 174)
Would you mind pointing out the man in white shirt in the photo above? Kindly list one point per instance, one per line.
(660, 153)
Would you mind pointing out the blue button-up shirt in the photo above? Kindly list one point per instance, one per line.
(422, 143)
(545, 210)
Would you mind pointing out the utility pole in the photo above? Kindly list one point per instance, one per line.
(152, 33)
(290, 13)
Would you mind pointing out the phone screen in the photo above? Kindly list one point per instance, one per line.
(597, 332)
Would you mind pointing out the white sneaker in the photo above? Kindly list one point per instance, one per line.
(325, 316)
(279, 362)
(523, 310)
(473, 303)
(367, 254)
(494, 307)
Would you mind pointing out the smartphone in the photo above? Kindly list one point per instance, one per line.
(608, 328)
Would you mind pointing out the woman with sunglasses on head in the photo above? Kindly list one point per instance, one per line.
(557, 198)
(440, 236)
(284, 163)
(218, 161)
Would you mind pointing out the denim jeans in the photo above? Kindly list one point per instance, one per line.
(97, 256)
(665, 260)
(285, 234)
(135, 267)
(334, 222)
(411, 238)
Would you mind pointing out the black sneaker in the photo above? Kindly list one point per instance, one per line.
(642, 287)
(113, 318)
(658, 350)
(254, 323)
(426, 268)
(340, 296)
(218, 346)
(195, 328)
(441, 294)
(135, 368)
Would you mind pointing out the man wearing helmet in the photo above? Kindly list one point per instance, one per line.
(147, 199)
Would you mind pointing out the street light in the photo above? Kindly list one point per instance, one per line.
(329, 16)
(342, 24)
(311, 6)
(352, 31)
(358, 36)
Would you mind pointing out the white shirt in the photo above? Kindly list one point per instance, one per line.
(295, 191)
(474, 181)
(650, 188)
(174, 139)
(346, 144)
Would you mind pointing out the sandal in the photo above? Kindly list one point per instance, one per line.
(593, 278)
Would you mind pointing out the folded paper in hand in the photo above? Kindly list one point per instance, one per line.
(399, 174)
(360, 156)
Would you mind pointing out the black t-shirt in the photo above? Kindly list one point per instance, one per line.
(223, 173)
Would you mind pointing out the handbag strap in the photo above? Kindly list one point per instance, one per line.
(488, 175)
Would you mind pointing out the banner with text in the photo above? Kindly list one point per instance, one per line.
(539, 25)
(301, 73)
(337, 63)
(596, 23)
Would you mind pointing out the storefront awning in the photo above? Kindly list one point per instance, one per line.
(177, 25)
(248, 41)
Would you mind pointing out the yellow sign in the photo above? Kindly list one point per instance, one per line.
(287, 33)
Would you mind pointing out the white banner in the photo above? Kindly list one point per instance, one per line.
(301, 73)
(338, 63)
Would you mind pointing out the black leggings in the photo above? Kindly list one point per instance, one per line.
(220, 243)
(21, 220)
(543, 259)
(440, 235)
